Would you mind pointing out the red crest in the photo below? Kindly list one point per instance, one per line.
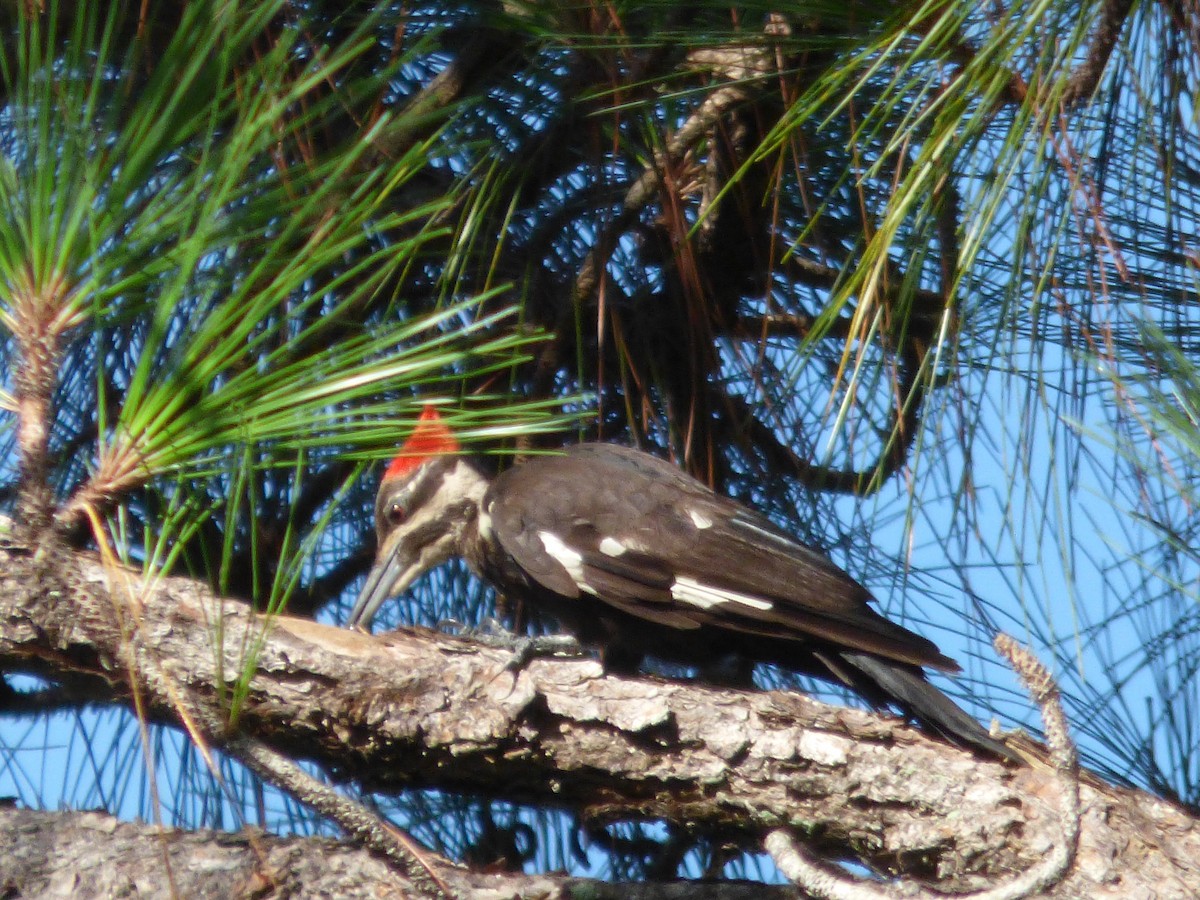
(429, 438)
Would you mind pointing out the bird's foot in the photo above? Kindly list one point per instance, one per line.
(491, 633)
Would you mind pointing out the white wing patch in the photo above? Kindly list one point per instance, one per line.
(611, 547)
(569, 559)
(485, 523)
(700, 520)
(705, 596)
(762, 532)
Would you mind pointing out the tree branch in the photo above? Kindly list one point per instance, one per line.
(43, 854)
(423, 709)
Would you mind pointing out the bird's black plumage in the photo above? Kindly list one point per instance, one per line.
(638, 558)
(674, 530)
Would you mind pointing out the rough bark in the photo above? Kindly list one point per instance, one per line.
(422, 708)
(79, 856)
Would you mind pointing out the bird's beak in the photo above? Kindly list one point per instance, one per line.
(393, 572)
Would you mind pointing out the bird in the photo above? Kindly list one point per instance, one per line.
(636, 558)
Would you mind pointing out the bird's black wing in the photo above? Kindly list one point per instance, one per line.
(645, 538)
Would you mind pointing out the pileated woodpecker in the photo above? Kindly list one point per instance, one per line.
(636, 557)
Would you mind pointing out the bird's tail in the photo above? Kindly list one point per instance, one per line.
(906, 687)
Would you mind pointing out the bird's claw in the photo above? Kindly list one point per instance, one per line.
(530, 647)
(491, 633)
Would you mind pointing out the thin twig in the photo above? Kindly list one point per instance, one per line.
(353, 817)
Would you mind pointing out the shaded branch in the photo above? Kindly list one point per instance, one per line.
(42, 855)
(1081, 81)
(735, 62)
(1086, 76)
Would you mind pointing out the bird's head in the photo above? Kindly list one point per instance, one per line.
(428, 499)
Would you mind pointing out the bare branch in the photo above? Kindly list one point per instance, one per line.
(42, 854)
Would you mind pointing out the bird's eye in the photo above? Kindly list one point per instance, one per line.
(396, 513)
